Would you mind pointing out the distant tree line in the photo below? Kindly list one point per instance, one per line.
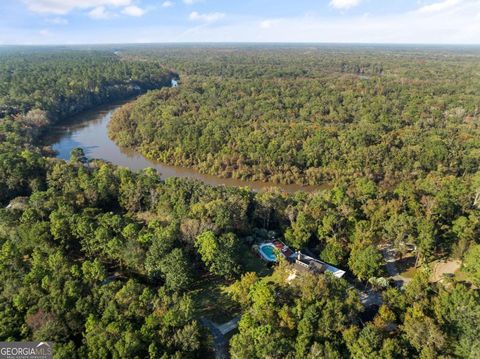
(104, 261)
(309, 117)
(63, 83)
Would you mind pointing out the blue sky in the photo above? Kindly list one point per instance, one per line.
(143, 21)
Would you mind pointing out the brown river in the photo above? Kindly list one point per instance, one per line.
(88, 130)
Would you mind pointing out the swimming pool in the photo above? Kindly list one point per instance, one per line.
(267, 251)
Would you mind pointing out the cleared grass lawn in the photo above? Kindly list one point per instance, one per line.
(406, 267)
(212, 300)
(461, 276)
(409, 273)
(252, 263)
(210, 293)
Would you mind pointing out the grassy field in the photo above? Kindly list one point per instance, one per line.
(211, 293)
(406, 267)
(461, 276)
(212, 300)
(252, 263)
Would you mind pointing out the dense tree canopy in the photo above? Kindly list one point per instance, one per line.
(109, 263)
(306, 117)
(67, 82)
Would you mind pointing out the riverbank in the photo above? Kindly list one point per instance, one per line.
(89, 130)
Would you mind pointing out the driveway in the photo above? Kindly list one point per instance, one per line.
(389, 255)
(219, 341)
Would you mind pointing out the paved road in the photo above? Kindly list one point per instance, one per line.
(227, 327)
(370, 298)
(218, 332)
(219, 341)
(391, 267)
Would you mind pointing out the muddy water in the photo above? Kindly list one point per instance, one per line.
(89, 131)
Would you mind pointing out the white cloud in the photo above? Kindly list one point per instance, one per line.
(191, 2)
(45, 32)
(62, 7)
(344, 4)
(267, 24)
(207, 17)
(167, 4)
(133, 10)
(439, 6)
(57, 21)
(100, 13)
(454, 25)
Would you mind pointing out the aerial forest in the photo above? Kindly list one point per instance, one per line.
(107, 262)
(312, 116)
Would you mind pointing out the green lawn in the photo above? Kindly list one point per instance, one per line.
(406, 266)
(210, 293)
(410, 272)
(252, 263)
(212, 300)
(461, 276)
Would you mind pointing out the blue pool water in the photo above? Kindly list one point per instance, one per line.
(268, 253)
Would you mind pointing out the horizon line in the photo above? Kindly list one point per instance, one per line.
(243, 43)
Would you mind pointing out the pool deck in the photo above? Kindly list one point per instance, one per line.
(301, 260)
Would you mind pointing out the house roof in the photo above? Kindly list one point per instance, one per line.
(307, 263)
